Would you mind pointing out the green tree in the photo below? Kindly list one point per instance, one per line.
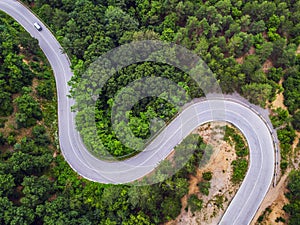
(28, 110)
(30, 45)
(257, 93)
(249, 67)
(292, 208)
(264, 51)
(275, 74)
(6, 207)
(36, 190)
(257, 27)
(240, 167)
(171, 207)
(194, 203)
(207, 175)
(24, 164)
(19, 215)
(117, 22)
(140, 219)
(61, 211)
(281, 117)
(45, 89)
(6, 107)
(40, 135)
(240, 43)
(204, 187)
(7, 184)
(278, 49)
(296, 120)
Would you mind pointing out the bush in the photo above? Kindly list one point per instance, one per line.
(283, 164)
(11, 140)
(194, 203)
(240, 167)
(219, 201)
(45, 89)
(171, 208)
(207, 176)
(6, 107)
(240, 148)
(40, 136)
(293, 208)
(280, 219)
(204, 187)
(28, 111)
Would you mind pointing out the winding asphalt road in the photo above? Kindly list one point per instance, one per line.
(253, 125)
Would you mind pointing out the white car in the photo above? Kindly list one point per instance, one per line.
(37, 26)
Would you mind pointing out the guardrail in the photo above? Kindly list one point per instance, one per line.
(272, 133)
(147, 143)
(238, 99)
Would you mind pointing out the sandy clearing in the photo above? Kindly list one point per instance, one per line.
(220, 165)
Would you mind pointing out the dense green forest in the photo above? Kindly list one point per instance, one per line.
(250, 46)
(37, 185)
(293, 195)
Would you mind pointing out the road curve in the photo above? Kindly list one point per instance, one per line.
(244, 116)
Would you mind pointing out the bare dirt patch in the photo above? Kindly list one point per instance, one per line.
(241, 59)
(267, 65)
(11, 124)
(278, 102)
(222, 189)
(52, 198)
(26, 61)
(275, 198)
(296, 151)
(251, 51)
